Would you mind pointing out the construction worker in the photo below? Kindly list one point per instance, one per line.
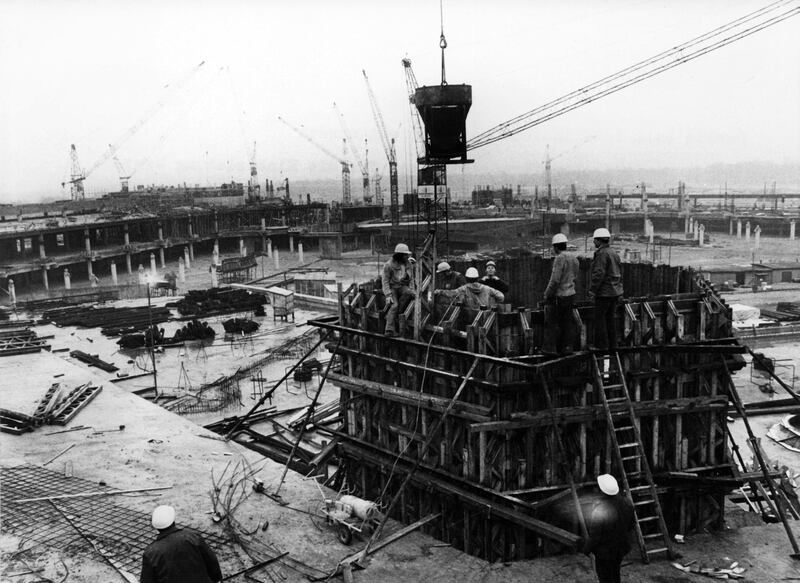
(396, 283)
(605, 289)
(447, 277)
(609, 524)
(474, 294)
(559, 296)
(492, 280)
(177, 555)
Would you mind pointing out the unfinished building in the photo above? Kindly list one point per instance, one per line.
(460, 417)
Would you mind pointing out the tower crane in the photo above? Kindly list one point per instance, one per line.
(354, 153)
(253, 187)
(124, 177)
(341, 160)
(76, 175)
(391, 156)
(548, 178)
(77, 178)
(416, 122)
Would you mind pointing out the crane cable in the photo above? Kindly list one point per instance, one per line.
(595, 90)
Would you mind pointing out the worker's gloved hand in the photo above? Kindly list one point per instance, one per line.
(411, 260)
(389, 300)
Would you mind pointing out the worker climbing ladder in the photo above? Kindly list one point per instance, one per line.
(637, 479)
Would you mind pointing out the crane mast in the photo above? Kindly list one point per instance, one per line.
(76, 175)
(389, 149)
(253, 187)
(344, 163)
(354, 153)
(124, 177)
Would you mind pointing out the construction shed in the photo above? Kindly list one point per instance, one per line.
(462, 420)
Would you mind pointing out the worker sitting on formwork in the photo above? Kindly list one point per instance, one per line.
(474, 294)
(396, 282)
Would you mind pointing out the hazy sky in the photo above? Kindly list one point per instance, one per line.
(86, 72)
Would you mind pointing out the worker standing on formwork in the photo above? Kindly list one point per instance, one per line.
(605, 289)
(396, 283)
(492, 280)
(177, 556)
(447, 277)
(559, 297)
(474, 294)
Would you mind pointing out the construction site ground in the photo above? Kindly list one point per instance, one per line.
(159, 448)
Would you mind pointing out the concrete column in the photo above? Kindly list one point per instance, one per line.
(757, 233)
(650, 230)
(686, 229)
(291, 243)
(242, 248)
(747, 231)
(191, 229)
(191, 251)
(738, 228)
(216, 248)
(730, 228)
(263, 223)
(696, 234)
(153, 268)
(45, 280)
(791, 230)
(128, 265)
(89, 270)
(300, 252)
(263, 244)
(114, 278)
(214, 276)
(126, 234)
(161, 257)
(67, 282)
(181, 271)
(276, 256)
(160, 232)
(702, 234)
(269, 247)
(87, 239)
(42, 253)
(12, 292)
(186, 259)
(142, 275)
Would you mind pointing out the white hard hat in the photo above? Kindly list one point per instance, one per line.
(608, 484)
(443, 266)
(472, 273)
(601, 233)
(559, 238)
(402, 248)
(163, 517)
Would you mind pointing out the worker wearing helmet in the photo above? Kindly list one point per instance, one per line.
(559, 297)
(447, 277)
(474, 294)
(605, 288)
(492, 280)
(609, 523)
(177, 555)
(396, 283)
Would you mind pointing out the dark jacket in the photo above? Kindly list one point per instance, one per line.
(451, 280)
(562, 278)
(609, 523)
(606, 273)
(495, 282)
(179, 556)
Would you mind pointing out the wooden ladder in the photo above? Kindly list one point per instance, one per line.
(651, 530)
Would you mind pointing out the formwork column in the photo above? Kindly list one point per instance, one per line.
(738, 228)
(153, 268)
(242, 247)
(291, 243)
(12, 292)
(747, 231)
(269, 247)
(187, 258)
(114, 278)
(276, 256)
(300, 252)
(67, 282)
(791, 230)
(42, 253)
(45, 280)
(702, 234)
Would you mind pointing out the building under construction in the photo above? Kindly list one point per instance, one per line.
(462, 417)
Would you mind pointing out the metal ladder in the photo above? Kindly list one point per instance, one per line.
(651, 530)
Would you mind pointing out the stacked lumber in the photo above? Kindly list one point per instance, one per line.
(113, 321)
(220, 300)
(20, 341)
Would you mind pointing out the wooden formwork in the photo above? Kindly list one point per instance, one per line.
(488, 460)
